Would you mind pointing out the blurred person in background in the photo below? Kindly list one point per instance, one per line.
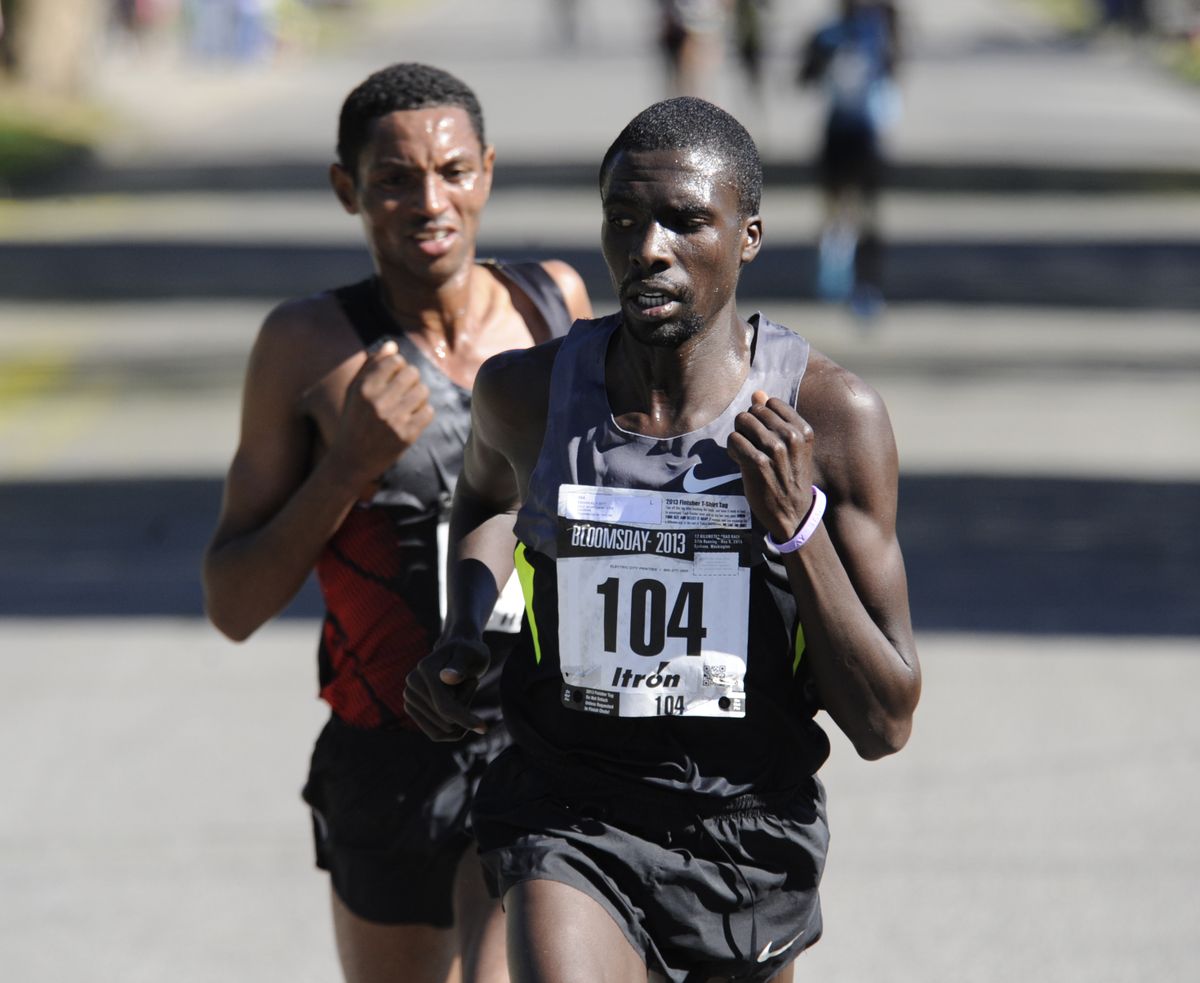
(1130, 15)
(355, 413)
(566, 19)
(853, 58)
(254, 29)
(206, 27)
(691, 38)
(231, 30)
(140, 21)
(748, 18)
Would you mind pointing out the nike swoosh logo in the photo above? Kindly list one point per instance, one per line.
(693, 484)
(768, 953)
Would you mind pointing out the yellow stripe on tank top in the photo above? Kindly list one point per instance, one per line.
(525, 576)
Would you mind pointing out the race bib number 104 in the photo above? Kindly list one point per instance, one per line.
(654, 597)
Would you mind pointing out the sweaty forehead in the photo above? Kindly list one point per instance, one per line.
(667, 173)
(438, 127)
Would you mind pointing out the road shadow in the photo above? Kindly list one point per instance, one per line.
(1020, 554)
(82, 174)
(1141, 273)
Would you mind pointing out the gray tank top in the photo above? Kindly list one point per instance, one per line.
(662, 644)
(584, 446)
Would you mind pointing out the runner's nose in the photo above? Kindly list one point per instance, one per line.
(432, 199)
(649, 251)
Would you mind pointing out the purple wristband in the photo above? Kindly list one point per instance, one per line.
(807, 527)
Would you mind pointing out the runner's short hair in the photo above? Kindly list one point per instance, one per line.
(405, 85)
(688, 123)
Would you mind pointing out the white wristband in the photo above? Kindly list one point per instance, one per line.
(807, 527)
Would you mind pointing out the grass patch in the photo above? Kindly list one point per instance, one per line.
(40, 135)
(1179, 55)
(1183, 58)
(1073, 16)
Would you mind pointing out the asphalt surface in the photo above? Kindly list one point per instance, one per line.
(1039, 359)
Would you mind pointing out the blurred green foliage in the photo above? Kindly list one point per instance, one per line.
(1074, 16)
(1179, 54)
(1183, 57)
(39, 135)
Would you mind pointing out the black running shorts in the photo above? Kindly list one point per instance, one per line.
(727, 895)
(391, 818)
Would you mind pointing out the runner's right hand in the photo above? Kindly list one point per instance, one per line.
(438, 692)
(385, 410)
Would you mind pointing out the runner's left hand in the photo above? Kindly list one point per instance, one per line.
(772, 444)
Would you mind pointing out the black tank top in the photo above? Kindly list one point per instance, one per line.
(674, 657)
(380, 574)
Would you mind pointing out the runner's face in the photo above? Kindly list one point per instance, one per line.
(674, 241)
(421, 185)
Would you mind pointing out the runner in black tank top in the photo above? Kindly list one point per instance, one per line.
(355, 412)
(698, 567)
(380, 576)
(707, 546)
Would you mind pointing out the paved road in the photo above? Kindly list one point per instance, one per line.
(1039, 826)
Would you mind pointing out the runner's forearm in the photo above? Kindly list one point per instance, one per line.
(250, 577)
(481, 561)
(867, 680)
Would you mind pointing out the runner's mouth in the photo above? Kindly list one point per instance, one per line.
(652, 303)
(435, 242)
(648, 300)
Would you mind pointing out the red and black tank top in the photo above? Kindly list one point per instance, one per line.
(380, 574)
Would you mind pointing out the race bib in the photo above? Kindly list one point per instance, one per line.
(654, 601)
(510, 605)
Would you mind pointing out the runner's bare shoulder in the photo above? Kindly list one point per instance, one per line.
(571, 285)
(308, 321)
(303, 339)
(852, 431)
(512, 395)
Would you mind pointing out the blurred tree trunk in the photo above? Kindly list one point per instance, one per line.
(52, 42)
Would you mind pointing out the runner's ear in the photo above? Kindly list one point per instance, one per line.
(344, 187)
(489, 164)
(751, 238)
